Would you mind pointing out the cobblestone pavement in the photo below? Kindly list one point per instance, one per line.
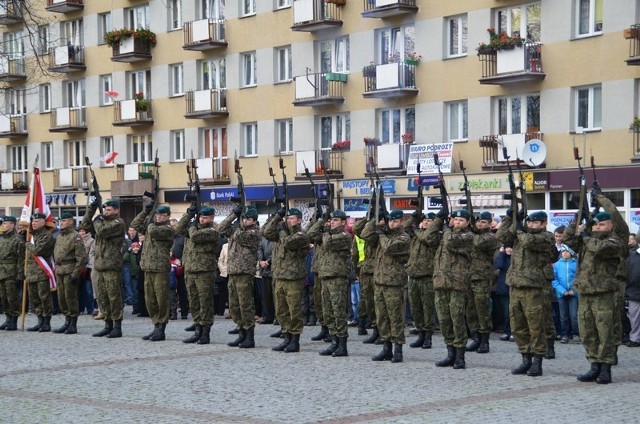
(55, 378)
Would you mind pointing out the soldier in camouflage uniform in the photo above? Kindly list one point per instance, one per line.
(200, 269)
(333, 269)
(11, 272)
(316, 239)
(389, 280)
(528, 277)
(290, 249)
(367, 305)
(109, 230)
(451, 282)
(39, 286)
(70, 257)
(156, 264)
(478, 310)
(244, 241)
(420, 271)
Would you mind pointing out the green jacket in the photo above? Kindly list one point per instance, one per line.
(201, 245)
(69, 253)
(157, 243)
(43, 244)
(485, 245)
(131, 260)
(290, 249)
(315, 237)
(422, 252)
(368, 265)
(453, 257)
(109, 233)
(336, 250)
(391, 255)
(242, 258)
(11, 256)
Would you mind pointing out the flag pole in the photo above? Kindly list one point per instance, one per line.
(32, 193)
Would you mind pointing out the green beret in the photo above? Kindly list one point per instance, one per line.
(207, 211)
(66, 215)
(163, 209)
(38, 215)
(338, 214)
(113, 203)
(250, 212)
(486, 216)
(430, 215)
(461, 213)
(538, 216)
(602, 216)
(9, 218)
(295, 211)
(395, 214)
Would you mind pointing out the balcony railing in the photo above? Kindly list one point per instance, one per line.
(520, 64)
(205, 104)
(386, 8)
(68, 58)
(636, 145)
(13, 126)
(125, 114)
(12, 69)
(68, 119)
(64, 6)
(320, 162)
(213, 170)
(68, 178)
(10, 12)
(131, 49)
(14, 181)
(388, 157)
(389, 80)
(315, 15)
(133, 179)
(633, 35)
(492, 145)
(205, 34)
(325, 88)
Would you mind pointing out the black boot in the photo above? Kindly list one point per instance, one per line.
(313, 320)
(385, 354)
(46, 325)
(282, 346)
(159, 335)
(397, 353)
(427, 340)
(13, 325)
(536, 366)
(551, 351)
(484, 343)
(249, 341)
(592, 374)
(327, 338)
(192, 327)
(324, 331)
(294, 345)
(117, 330)
(342, 347)
(331, 348)
(108, 326)
(5, 324)
(234, 331)
(205, 335)
(459, 363)
(420, 340)
(450, 359)
(277, 334)
(155, 330)
(242, 334)
(73, 326)
(38, 325)
(605, 374)
(524, 365)
(373, 337)
(362, 328)
(196, 336)
(474, 343)
(63, 328)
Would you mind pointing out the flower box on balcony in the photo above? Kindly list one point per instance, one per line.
(334, 76)
(510, 60)
(631, 33)
(411, 62)
(369, 71)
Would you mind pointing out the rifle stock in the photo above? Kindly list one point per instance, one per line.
(314, 189)
(285, 185)
(513, 190)
(418, 202)
(241, 200)
(156, 190)
(467, 195)
(444, 196)
(94, 184)
(329, 201)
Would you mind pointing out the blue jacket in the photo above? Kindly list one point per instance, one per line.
(564, 271)
(502, 264)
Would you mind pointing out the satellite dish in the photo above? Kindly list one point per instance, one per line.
(534, 152)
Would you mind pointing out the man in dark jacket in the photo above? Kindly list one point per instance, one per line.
(632, 293)
(40, 249)
(11, 272)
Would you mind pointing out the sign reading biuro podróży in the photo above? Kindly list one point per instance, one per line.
(423, 153)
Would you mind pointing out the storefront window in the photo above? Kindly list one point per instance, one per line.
(570, 199)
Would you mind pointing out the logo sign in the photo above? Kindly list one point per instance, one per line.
(65, 199)
(355, 205)
(423, 153)
(540, 181)
(221, 195)
(426, 181)
(402, 203)
(561, 218)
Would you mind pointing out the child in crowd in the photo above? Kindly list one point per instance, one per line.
(564, 273)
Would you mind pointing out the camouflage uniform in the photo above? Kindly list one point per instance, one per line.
(156, 264)
(70, 256)
(289, 254)
(39, 286)
(389, 279)
(11, 271)
(241, 263)
(366, 307)
(317, 281)
(478, 309)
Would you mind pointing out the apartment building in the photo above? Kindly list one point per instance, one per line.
(340, 87)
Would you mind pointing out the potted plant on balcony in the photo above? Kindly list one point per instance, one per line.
(370, 141)
(407, 138)
(502, 41)
(369, 71)
(412, 58)
(634, 126)
(341, 145)
(142, 104)
(115, 37)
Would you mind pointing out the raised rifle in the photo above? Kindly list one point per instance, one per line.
(314, 189)
(275, 198)
(371, 201)
(513, 189)
(418, 202)
(241, 199)
(467, 195)
(285, 185)
(94, 184)
(156, 191)
(443, 199)
(330, 192)
(522, 188)
(596, 187)
(381, 204)
(194, 196)
(583, 206)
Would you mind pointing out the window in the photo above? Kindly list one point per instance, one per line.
(176, 87)
(250, 139)
(104, 26)
(43, 39)
(334, 55)
(588, 106)
(333, 129)
(44, 94)
(457, 32)
(106, 147)
(71, 33)
(457, 121)
(75, 153)
(213, 74)
(14, 45)
(106, 84)
(283, 64)
(139, 82)
(74, 93)
(177, 145)
(47, 155)
(589, 17)
(518, 114)
(284, 132)
(212, 9)
(392, 123)
(137, 17)
(280, 4)
(141, 148)
(16, 102)
(395, 43)
(18, 160)
(249, 78)
(175, 14)
(248, 7)
(520, 21)
(214, 145)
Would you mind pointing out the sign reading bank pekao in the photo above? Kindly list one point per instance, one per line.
(222, 195)
(423, 153)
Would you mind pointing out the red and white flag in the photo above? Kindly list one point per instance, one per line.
(109, 157)
(113, 94)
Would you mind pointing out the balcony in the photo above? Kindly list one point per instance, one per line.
(13, 126)
(635, 158)
(70, 178)
(14, 181)
(12, 69)
(125, 114)
(320, 162)
(10, 12)
(206, 104)
(64, 6)
(131, 49)
(389, 80)
(492, 155)
(517, 65)
(633, 35)
(315, 15)
(214, 171)
(390, 158)
(68, 119)
(133, 179)
(320, 89)
(205, 34)
(67, 59)
(387, 8)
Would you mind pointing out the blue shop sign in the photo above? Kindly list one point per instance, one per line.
(355, 205)
(389, 186)
(65, 199)
(425, 181)
(298, 191)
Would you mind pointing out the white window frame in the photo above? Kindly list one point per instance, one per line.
(141, 148)
(213, 73)
(177, 146)
(75, 152)
(176, 77)
(338, 50)
(247, 8)
(215, 145)
(44, 39)
(250, 139)
(104, 25)
(72, 33)
(507, 21)
(284, 68)
(332, 129)
(16, 102)
(14, 44)
(139, 82)
(386, 120)
(249, 74)
(106, 147)
(394, 44)
(46, 150)
(507, 127)
(106, 84)
(594, 27)
(284, 136)
(212, 9)
(594, 107)
(457, 36)
(18, 158)
(174, 12)
(74, 95)
(457, 114)
(44, 96)
(282, 4)
(137, 17)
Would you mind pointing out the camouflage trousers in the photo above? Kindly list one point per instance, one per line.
(241, 303)
(597, 321)
(156, 296)
(389, 301)
(479, 306)
(40, 298)
(288, 295)
(450, 305)
(527, 309)
(549, 327)
(9, 297)
(334, 304)
(68, 295)
(110, 294)
(617, 328)
(422, 302)
(317, 298)
(366, 305)
(200, 291)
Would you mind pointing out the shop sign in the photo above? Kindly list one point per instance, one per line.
(402, 203)
(423, 153)
(480, 184)
(356, 188)
(540, 181)
(59, 198)
(356, 205)
(426, 181)
(558, 219)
